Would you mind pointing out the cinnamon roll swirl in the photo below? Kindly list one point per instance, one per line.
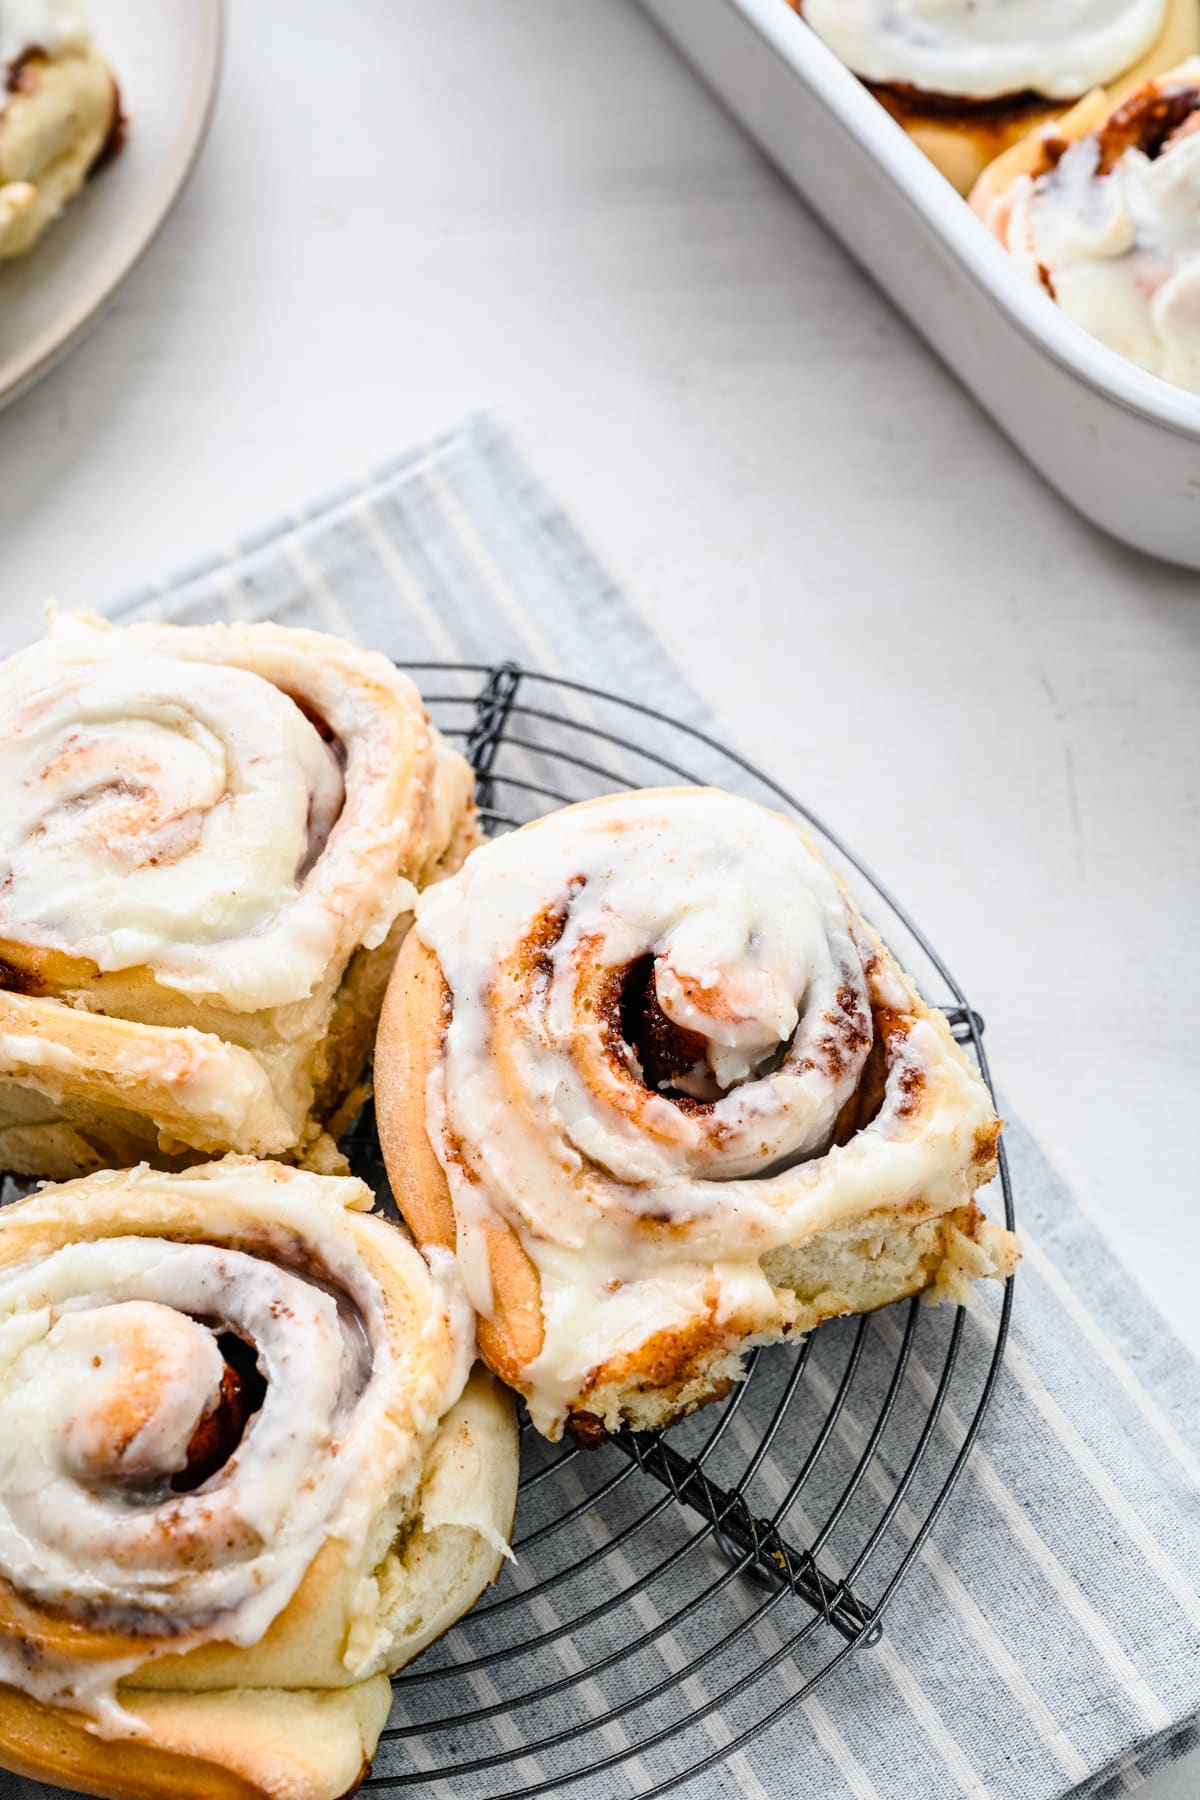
(967, 78)
(59, 114)
(209, 847)
(245, 1473)
(644, 1065)
(1102, 209)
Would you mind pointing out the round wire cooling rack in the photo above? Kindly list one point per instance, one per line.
(675, 1595)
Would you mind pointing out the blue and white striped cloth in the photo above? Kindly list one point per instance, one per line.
(1047, 1641)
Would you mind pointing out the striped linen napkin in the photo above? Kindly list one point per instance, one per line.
(1047, 1640)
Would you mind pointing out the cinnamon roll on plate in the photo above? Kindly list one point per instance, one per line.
(1102, 209)
(211, 840)
(59, 114)
(967, 78)
(646, 1067)
(246, 1472)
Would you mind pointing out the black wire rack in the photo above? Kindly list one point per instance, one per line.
(675, 1595)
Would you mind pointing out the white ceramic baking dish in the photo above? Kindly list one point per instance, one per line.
(1121, 445)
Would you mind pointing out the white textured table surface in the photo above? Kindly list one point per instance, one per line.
(533, 206)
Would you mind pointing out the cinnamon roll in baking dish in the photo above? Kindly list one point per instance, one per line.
(245, 1473)
(59, 112)
(646, 1067)
(967, 78)
(1102, 209)
(210, 841)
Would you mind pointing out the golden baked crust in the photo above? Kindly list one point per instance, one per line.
(263, 1744)
(107, 1060)
(884, 1212)
(407, 1048)
(419, 1486)
(962, 137)
(62, 112)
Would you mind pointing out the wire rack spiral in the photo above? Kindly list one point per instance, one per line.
(673, 1596)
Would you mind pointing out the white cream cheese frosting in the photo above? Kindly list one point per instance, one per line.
(536, 1109)
(986, 49)
(1118, 248)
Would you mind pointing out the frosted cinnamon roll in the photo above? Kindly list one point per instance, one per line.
(645, 1067)
(245, 1474)
(210, 844)
(1102, 209)
(967, 78)
(59, 115)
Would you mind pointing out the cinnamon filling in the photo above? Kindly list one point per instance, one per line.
(320, 823)
(219, 1433)
(664, 1049)
(539, 944)
(22, 76)
(673, 1061)
(639, 1036)
(906, 102)
(1147, 121)
(16, 980)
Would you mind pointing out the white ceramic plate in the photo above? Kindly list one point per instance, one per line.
(166, 55)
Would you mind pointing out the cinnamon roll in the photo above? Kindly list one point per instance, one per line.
(59, 115)
(1102, 209)
(210, 843)
(646, 1068)
(967, 78)
(245, 1473)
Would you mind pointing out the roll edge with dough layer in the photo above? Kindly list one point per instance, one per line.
(652, 1147)
(212, 845)
(1102, 210)
(356, 1478)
